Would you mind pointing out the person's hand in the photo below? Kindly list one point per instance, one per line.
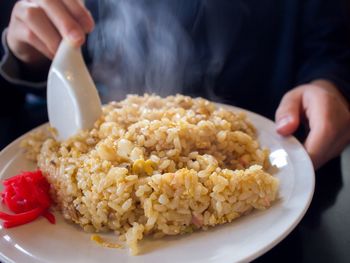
(37, 27)
(327, 114)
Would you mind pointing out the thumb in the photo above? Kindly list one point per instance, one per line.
(288, 113)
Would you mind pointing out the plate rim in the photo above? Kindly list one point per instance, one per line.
(307, 161)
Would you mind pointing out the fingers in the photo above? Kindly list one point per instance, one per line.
(317, 146)
(60, 16)
(327, 119)
(81, 14)
(288, 113)
(26, 35)
(49, 21)
(329, 122)
(320, 139)
(32, 16)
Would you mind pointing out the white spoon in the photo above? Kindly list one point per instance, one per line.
(72, 99)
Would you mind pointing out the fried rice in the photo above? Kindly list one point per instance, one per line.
(157, 166)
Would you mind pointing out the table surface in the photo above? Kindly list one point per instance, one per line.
(323, 235)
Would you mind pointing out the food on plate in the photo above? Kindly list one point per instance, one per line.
(27, 195)
(157, 166)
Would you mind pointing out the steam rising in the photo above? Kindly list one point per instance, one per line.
(138, 47)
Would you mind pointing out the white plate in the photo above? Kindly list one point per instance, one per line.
(242, 240)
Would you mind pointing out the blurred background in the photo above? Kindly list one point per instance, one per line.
(322, 236)
(19, 111)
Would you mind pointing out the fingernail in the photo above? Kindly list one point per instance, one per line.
(88, 26)
(282, 122)
(75, 36)
(91, 18)
(88, 22)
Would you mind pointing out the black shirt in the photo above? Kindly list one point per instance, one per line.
(242, 52)
(250, 53)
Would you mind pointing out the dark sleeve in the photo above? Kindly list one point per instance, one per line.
(325, 49)
(14, 75)
(6, 7)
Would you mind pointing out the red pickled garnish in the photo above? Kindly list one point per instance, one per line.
(23, 218)
(49, 216)
(27, 195)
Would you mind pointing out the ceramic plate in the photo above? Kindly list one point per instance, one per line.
(242, 240)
